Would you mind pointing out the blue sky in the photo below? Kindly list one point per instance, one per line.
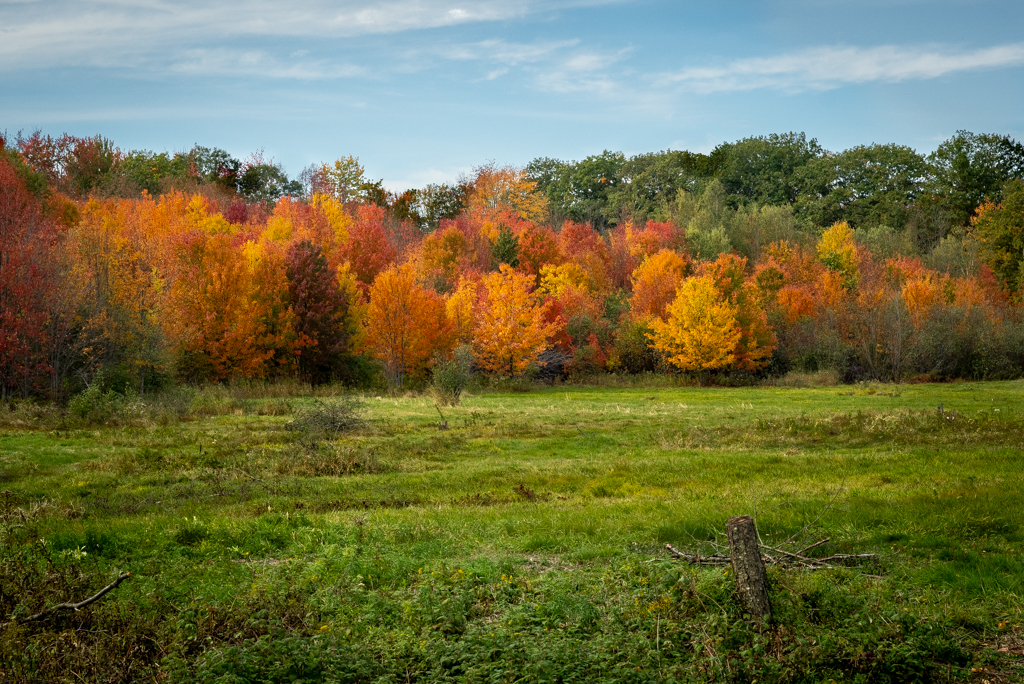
(423, 90)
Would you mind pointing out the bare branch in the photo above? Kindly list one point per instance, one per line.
(81, 604)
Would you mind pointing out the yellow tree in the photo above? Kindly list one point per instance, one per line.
(406, 324)
(510, 330)
(460, 307)
(838, 252)
(701, 332)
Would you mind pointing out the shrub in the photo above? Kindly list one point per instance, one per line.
(327, 419)
(452, 375)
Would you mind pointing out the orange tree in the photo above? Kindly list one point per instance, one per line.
(406, 324)
(655, 282)
(510, 331)
(701, 333)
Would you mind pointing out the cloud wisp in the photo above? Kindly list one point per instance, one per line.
(824, 68)
(125, 32)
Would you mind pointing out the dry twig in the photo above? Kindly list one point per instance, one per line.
(81, 604)
(778, 556)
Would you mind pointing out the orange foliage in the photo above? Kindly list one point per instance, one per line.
(538, 246)
(212, 313)
(510, 329)
(406, 324)
(582, 245)
(444, 252)
(796, 302)
(655, 283)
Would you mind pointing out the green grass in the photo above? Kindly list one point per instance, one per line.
(524, 543)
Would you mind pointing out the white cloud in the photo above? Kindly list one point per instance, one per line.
(109, 32)
(225, 62)
(827, 67)
(503, 52)
(583, 72)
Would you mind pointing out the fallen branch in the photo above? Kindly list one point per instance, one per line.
(81, 604)
(814, 545)
(697, 559)
(776, 556)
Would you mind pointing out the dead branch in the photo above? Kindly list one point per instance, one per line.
(775, 556)
(814, 545)
(697, 559)
(81, 604)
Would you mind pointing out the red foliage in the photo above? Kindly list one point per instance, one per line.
(538, 246)
(368, 249)
(26, 239)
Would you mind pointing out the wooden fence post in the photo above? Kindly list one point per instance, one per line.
(748, 567)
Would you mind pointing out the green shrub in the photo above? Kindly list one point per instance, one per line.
(452, 375)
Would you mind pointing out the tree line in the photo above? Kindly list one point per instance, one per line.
(137, 269)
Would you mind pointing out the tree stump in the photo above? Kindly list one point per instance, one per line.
(748, 567)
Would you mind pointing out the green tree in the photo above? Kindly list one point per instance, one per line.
(505, 249)
(580, 190)
(1000, 231)
(266, 182)
(970, 167)
(865, 186)
(768, 169)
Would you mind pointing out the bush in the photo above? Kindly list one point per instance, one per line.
(633, 353)
(452, 375)
(96, 407)
(328, 419)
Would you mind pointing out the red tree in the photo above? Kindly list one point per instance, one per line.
(320, 308)
(368, 249)
(26, 239)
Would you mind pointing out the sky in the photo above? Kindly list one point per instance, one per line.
(425, 90)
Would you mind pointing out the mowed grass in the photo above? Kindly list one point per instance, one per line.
(525, 542)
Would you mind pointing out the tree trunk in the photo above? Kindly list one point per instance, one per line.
(748, 567)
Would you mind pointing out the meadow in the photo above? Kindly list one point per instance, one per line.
(275, 533)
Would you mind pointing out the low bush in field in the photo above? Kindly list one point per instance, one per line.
(451, 376)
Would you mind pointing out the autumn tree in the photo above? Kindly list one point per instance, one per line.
(510, 329)
(838, 252)
(701, 333)
(25, 238)
(406, 323)
(655, 283)
(460, 308)
(757, 339)
(368, 249)
(1000, 230)
(504, 189)
(320, 308)
(210, 313)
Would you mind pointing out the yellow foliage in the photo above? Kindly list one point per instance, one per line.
(701, 332)
(459, 308)
(279, 229)
(510, 331)
(253, 254)
(334, 210)
(838, 252)
(556, 279)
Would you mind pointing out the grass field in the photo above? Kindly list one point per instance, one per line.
(525, 542)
